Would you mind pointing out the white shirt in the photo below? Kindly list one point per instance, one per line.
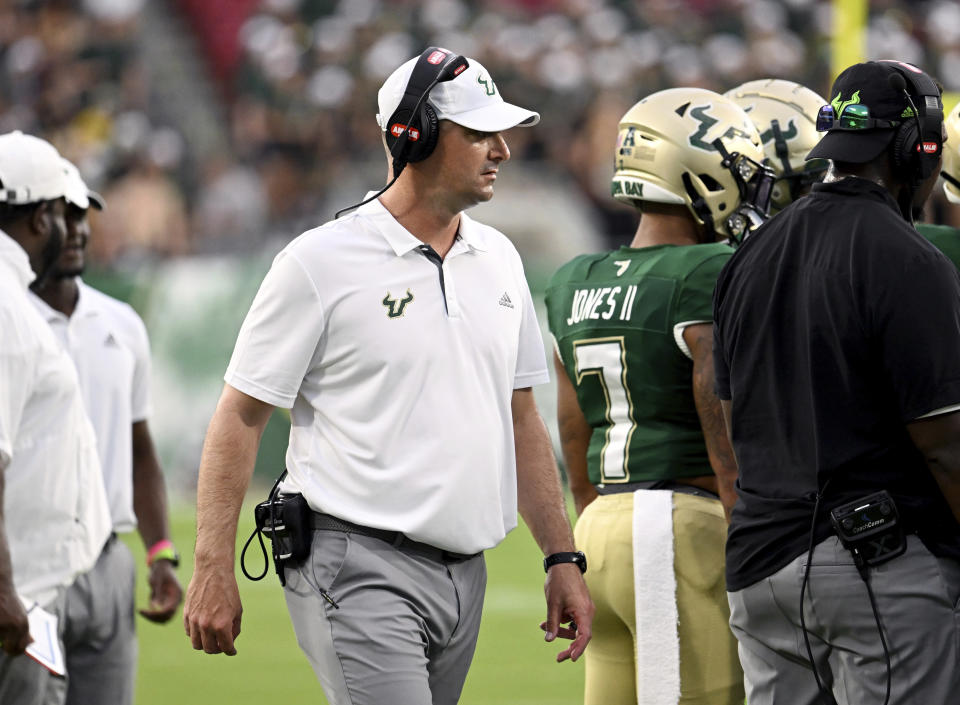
(55, 510)
(109, 346)
(399, 422)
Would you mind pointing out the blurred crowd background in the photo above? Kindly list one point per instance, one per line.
(220, 125)
(218, 130)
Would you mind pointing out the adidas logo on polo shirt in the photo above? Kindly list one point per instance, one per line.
(505, 300)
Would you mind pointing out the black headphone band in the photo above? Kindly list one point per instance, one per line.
(433, 66)
(924, 97)
(920, 83)
(410, 130)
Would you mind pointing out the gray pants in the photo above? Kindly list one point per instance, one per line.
(96, 637)
(99, 641)
(24, 681)
(917, 600)
(405, 625)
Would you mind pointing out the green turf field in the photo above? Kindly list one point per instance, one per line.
(512, 665)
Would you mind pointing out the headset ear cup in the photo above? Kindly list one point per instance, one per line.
(429, 132)
(399, 117)
(904, 147)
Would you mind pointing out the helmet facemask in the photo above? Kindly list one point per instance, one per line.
(755, 183)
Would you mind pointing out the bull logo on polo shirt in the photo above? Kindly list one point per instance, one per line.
(395, 307)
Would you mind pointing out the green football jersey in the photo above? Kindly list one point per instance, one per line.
(617, 319)
(945, 238)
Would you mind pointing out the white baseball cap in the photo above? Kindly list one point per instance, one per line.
(31, 170)
(471, 99)
(77, 192)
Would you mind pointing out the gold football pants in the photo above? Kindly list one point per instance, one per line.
(709, 668)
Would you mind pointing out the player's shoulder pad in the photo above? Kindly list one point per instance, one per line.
(689, 260)
(930, 230)
(576, 269)
(696, 254)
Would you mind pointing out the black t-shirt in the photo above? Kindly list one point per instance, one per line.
(835, 325)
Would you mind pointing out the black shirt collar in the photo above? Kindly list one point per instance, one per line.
(855, 186)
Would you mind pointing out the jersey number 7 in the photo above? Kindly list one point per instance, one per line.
(606, 358)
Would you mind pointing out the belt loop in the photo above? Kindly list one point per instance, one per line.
(398, 540)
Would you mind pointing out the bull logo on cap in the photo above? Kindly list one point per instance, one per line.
(489, 86)
(839, 105)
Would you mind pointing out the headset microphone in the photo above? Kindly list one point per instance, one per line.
(899, 83)
(452, 68)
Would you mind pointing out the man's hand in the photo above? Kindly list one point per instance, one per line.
(165, 592)
(14, 627)
(211, 613)
(568, 602)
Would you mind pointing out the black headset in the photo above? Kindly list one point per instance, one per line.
(413, 128)
(917, 144)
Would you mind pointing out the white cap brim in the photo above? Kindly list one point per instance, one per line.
(77, 191)
(470, 99)
(96, 200)
(494, 118)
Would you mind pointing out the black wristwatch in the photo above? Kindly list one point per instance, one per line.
(566, 557)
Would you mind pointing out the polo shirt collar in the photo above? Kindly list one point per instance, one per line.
(83, 307)
(402, 241)
(16, 259)
(472, 234)
(81, 310)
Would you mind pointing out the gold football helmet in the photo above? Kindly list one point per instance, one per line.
(785, 114)
(951, 157)
(694, 147)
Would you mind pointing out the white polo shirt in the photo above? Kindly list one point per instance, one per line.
(55, 510)
(109, 346)
(400, 397)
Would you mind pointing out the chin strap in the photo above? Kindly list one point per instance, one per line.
(950, 180)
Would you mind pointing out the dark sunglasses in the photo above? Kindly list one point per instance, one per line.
(853, 117)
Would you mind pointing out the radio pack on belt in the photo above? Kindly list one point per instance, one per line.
(870, 529)
(285, 520)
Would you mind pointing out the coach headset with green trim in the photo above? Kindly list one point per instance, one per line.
(413, 128)
(917, 144)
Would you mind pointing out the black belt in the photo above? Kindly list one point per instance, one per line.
(672, 485)
(394, 538)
